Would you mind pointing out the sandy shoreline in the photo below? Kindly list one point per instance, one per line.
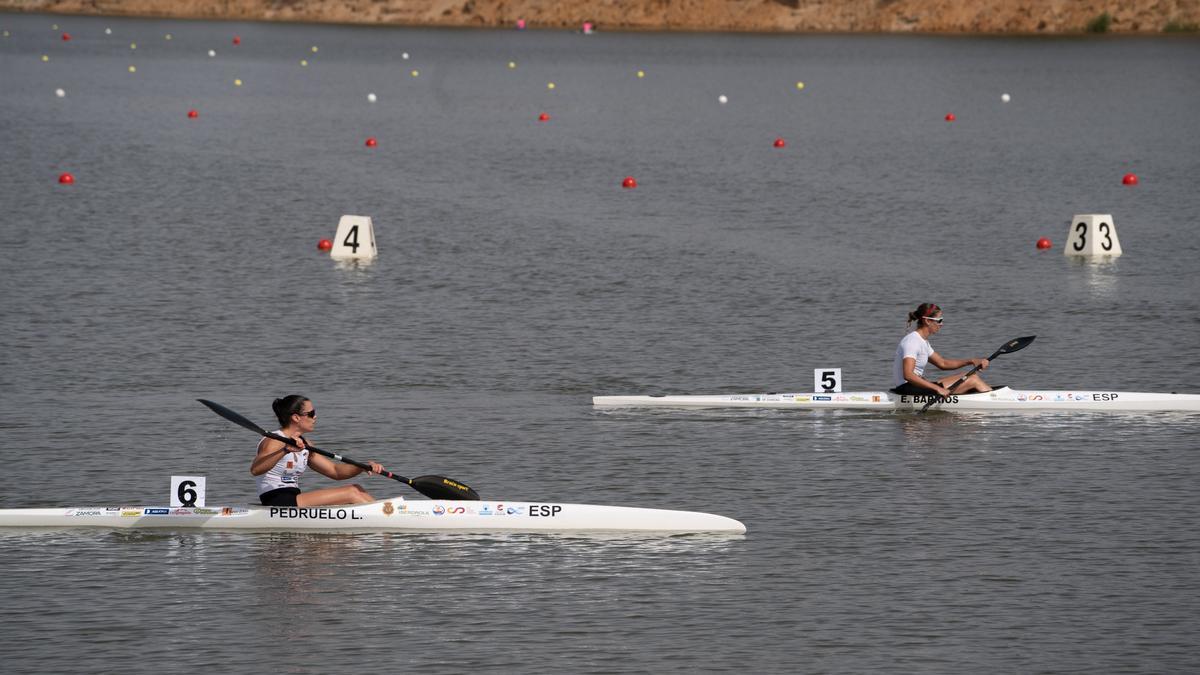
(1032, 17)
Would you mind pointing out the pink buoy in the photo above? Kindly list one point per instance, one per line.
(520, 24)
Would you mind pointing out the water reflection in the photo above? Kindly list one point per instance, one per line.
(1099, 274)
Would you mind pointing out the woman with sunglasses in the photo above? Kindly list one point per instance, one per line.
(914, 352)
(277, 467)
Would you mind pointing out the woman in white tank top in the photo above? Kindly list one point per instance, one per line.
(277, 467)
(914, 352)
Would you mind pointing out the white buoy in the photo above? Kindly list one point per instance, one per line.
(1005, 97)
(371, 97)
(212, 53)
(108, 31)
(355, 239)
(404, 56)
(722, 99)
(60, 93)
(1093, 234)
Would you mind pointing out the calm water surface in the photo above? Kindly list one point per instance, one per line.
(516, 279)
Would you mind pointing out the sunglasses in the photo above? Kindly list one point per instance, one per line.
(310, 414)
(937, 320)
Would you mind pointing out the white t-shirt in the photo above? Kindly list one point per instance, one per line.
(915, 347)
(286, 472)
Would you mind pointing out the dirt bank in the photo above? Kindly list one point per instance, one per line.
(889, 16)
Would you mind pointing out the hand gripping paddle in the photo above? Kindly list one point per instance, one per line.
(1007, 348)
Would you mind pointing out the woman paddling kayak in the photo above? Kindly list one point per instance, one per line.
(277, 467)
(914, 352)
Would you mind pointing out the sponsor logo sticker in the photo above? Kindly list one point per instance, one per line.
(388, 509)
(156, 511)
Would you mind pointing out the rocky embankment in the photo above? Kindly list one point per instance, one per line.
(1045, 17)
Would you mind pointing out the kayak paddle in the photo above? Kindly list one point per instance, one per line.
(1007, 348)
(434, 487)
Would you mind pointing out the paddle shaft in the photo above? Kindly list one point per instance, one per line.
(334, 456)
(1007, 348)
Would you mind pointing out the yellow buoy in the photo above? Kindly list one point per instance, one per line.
(314, 49)
(416, 73)
(641, 73)
(237, 83)
(512, 64)
(133, 45)
(799, 85)
(304, 62)
(549, 85)
(45, 58)
(133, 69)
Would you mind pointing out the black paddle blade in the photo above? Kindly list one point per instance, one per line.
(1016, 345)
(440, 487)
(233, 417)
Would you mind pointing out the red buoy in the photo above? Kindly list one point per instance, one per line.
(1130, 179)
(66, 178)
(544, 117)
(324, 245)
(237, 40)
(629, 182)
(950, 117)
(371, 142)
(1044, 243)
(66, 37)
(193, 114)
(780, 143)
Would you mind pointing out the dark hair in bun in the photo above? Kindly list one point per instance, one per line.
(286, 407)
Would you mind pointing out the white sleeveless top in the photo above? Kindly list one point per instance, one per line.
(286, 472)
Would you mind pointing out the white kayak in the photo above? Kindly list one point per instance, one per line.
(396, 514)
(1002, 398)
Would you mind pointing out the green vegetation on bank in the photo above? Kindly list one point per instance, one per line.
(1100, 24)
(1176, 26)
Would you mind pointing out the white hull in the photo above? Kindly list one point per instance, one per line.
(394, 514)
(998, 399)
